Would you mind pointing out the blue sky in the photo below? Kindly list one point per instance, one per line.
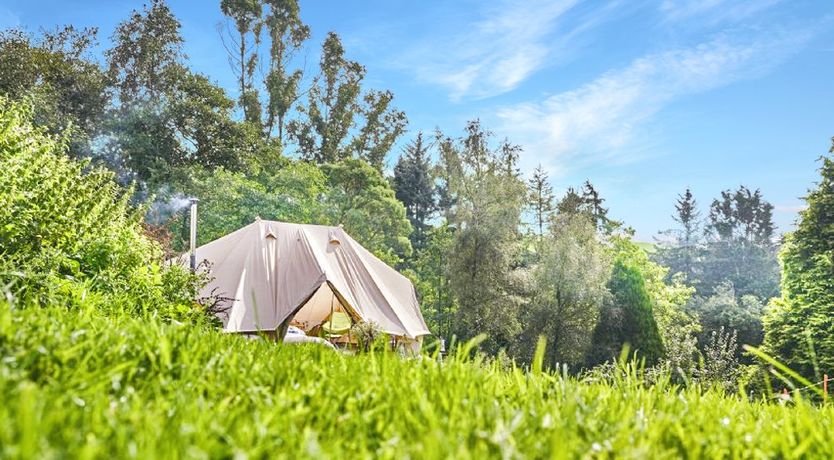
(644, 98)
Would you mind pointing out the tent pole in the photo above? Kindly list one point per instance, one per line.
(332, 298)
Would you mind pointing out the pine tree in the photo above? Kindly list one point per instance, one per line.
(541, 198)
(684, 254)
(571, 203)
(593, 205)
(414, 186)
(509, 158)
(687, 216)
(798, 330)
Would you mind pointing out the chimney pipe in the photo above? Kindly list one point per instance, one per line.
(193, 234)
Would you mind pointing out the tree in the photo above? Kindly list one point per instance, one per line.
(687, 215)
(330, 113)
(363, 201)
(682, 253)
(168, 116)
(483, 268)
(146, 47)
(192, 126)
(285, 35)
(725, 311)
(541, 199)
(593, 203)
(742, 216)
(432, 280)
(587, 202)
(446, 171)
(414, 186)
(798, 327)
(627, 320)
(570, 204)
(642, 310)
(243, 57)
(569, 289)
(230, 200)
(739, 246)
(57, 72)
(336, 108)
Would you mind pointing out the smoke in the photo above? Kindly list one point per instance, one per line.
(166, 205)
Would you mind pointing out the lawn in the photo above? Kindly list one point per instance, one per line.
(80, 384)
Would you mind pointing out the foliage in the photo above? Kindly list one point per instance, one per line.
(413, 184)
(628, 317)
(741, 215)
(720, 360)
(587, 202)
(487, 213)
(569, 289)
(362, 200)
(168, 116)
(432, 281)
(152, 140)
(56, 71)
(68, 229)
(285, 34)
(798, 327)
(231, 200)
(725, 310)
(76, 384)
(339, 121)
(541, 199)
(147, 46)
(367, 334)
(737, 245)
(682, 255)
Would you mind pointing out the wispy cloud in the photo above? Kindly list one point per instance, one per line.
(603, 117)
(713, 10)
(495, 53)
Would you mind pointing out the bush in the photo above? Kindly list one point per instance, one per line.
(68, 229)
(367, 334)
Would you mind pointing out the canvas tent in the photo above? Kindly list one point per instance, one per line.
(278, 272)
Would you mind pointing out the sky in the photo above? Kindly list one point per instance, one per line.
(644, 98)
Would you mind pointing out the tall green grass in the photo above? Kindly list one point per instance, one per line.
(79, 383)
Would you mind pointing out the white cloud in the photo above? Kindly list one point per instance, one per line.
(603, 118)
(493, 55)
(713, 10)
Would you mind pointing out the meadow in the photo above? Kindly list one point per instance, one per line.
(81, 384)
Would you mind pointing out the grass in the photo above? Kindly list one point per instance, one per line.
(80, 384)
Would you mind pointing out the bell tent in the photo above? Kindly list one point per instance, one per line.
(276, 274)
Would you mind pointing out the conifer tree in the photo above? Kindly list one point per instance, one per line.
(798, 330)
(414, 187)
(571, 203)
(687, 215)
(541, 198)
(628, 319)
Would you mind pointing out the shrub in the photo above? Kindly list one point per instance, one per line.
(68, 228)
(367, 334)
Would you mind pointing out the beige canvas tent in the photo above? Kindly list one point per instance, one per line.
(277, 273)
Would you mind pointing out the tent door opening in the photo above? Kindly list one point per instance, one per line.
(324, 314)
